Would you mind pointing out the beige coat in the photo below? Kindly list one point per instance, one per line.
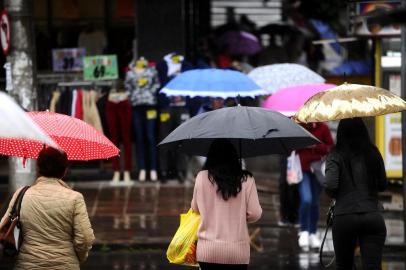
(56, 227)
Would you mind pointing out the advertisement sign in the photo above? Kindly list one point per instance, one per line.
(68, 59)
(100, 67)
(365, 9)
(5, 32)
(389, 134)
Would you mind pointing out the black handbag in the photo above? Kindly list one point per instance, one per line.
(10, 232)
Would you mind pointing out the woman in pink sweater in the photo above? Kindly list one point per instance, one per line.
(226, 198)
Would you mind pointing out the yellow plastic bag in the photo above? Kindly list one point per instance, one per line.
(182, 249)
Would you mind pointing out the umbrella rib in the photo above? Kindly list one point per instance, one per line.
(250, 123)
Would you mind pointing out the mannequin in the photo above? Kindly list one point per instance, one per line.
(118, 117)
(142, 85)
(173, 112)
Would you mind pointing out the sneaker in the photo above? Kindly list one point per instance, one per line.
(304, 240)
(314, 241)
(116, 178)
(142, 175)
(153, 175)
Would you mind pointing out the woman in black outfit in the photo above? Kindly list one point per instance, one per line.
(355, 173)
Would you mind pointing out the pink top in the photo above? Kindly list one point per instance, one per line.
(223, 232)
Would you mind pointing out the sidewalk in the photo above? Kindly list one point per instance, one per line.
(146, 215)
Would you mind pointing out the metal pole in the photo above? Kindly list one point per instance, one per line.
(22, 69)
(403, 93)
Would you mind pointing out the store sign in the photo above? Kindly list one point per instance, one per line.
(359, 13)
(100, 67)
(69, 59)
(5, 32)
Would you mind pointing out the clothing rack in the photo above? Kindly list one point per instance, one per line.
(86, 83)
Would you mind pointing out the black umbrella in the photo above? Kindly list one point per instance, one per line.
(253, 131)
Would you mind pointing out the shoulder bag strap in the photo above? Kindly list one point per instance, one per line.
(15, 211)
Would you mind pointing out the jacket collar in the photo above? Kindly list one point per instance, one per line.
(50, 180)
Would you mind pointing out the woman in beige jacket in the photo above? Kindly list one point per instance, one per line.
(55, 224)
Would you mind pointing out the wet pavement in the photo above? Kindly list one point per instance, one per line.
(134, 224)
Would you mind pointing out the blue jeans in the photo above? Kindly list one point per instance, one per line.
(309, 192)
(144, 130)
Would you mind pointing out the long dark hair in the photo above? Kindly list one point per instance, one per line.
(353, 139)
(225, 169)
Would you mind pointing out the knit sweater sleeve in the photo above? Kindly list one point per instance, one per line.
(254, 210)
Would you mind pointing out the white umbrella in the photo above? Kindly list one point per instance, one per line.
(274, 77)
(16, 124)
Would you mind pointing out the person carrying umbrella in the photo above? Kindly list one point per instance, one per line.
(56, 230)
(355, 171)
(226, 197)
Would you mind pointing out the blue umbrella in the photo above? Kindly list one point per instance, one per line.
(213, 83)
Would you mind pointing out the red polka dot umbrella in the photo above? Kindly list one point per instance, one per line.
(78, 139)
(20, 136)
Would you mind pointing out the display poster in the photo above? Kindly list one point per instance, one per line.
(68, 59)
(389, 134)
(100, 67)
(366, 9)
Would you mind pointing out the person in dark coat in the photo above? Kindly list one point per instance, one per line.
(355, 173)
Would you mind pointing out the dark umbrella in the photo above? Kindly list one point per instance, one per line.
(240, 43)
(253, 131)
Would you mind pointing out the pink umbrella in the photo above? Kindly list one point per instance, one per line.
(289, 100)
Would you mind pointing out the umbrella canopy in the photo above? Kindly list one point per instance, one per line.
(277, 76)
(289, 100)
(240, 43)
(212, 82)
(348, 101)
(253, 131)
(19, 135)
(78, 139)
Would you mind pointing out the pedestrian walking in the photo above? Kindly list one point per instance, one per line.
(56, 230)
(355, 173)
(310, 187)
(288, 197)
(226, 197)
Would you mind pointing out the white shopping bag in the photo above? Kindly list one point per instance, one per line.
(294, 169)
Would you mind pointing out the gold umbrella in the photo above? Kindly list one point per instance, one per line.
(348, 101)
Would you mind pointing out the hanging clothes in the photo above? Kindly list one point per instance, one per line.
(73, 105)
(79, 104)
(90, 111)
(54, 100)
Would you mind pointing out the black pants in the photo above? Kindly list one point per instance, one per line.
(215, 266)
(171, 162)
(288, 196)
(369, 230)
